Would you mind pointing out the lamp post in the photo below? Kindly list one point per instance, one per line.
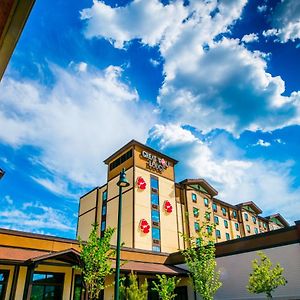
(1, 173)
(123, 182)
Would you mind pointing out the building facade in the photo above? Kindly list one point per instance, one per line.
(157, 210)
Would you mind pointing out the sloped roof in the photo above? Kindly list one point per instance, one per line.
(202, 182)
(251, 204)
(280, 218)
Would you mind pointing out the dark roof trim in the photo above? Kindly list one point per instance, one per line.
(225, 203)
(69, 255)
(252, 205)
(133, 143)
(203, 182)
(280, 218)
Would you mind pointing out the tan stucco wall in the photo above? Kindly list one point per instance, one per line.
(85, 224)
(127, 221)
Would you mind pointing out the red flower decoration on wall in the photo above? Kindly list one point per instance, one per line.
(168, 207)
(144, 226)
(141, 183)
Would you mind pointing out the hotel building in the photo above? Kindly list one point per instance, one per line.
(167, 208)
(156, 210)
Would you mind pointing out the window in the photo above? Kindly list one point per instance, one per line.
(154, 182)
(3, 282)
(47, 286)
(104, 196)
(226, 223)
(196, 212)
(256, 230)
(215, 207)
(234, 213)
(103, 210)
(194, 197)
(238, 236)
(248, 228)
(216, 220)
(254, 219)
(78, 287)
(224, 211)
(227, 236)
(155, 215)
(103, 225)
(209, 229)
(206, 202)
(198, 241)
(120, 160)
(154, 199)
(265, 225)
(236, 226)
(156, 248)
(207, 216)
(246, 216)
(218, 233)
(196, 226)
(155, 233)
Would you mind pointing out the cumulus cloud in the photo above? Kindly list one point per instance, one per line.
(171, 134)
(236, 177)
(202, 70)
(74, 125)
(249, 38)
(285, 21)
(35, 218)
(262, 143)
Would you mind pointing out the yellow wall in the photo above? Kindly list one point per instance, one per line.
(85, 224)
(168, 221)
(127, 221)
(87, 202)
(21, 282)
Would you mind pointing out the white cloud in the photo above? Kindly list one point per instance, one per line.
(8, 200)
(171, 134)
(262, 143)
(249, 38)
(238, 179)
(202, 72)
(154, 62)
(34, 217)
(262, 8)
(285, 21)
(279, 141)
(75, 124)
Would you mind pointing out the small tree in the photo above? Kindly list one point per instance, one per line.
(95, 266)
(264, 279)
(166, 287)
(201, 262)
(133, 291)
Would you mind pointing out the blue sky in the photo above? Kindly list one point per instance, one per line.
(214, 84)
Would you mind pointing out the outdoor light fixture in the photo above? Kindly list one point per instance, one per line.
(1, 173)
(123, 182)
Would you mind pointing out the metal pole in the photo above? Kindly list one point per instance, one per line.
(117, 275)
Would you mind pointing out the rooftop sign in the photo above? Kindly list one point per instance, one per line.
(154, 162)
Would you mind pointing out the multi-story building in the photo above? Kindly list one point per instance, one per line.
(157, 210)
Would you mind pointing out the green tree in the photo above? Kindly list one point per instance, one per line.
(133, 291)
(166, 287)
(201, 261)
(264, 279)
(95, 265)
